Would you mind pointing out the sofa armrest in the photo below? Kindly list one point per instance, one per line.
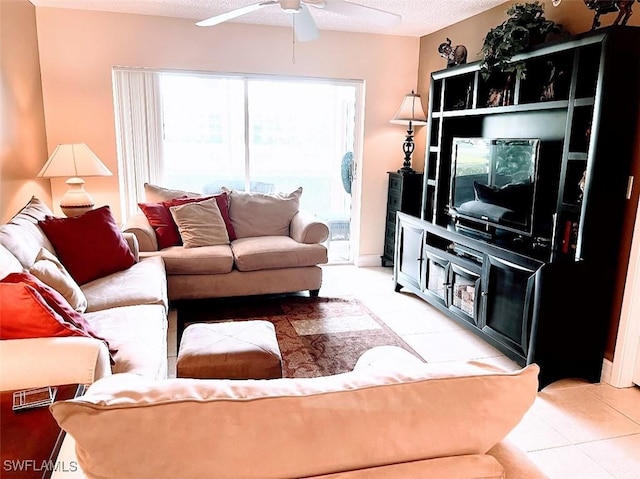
(306, 228)
(140, 227)
(134, 246)
(515, 462)
(37, 362)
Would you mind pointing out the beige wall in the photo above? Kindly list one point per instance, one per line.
(572, 14)
(78, 50)
(23, 147)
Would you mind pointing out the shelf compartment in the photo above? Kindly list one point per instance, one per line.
(581, 129)
(459, 92)
(547, 78)
(588, 66)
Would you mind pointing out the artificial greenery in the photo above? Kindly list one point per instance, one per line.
(525, 27)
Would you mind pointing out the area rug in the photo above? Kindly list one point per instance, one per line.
(317, 336)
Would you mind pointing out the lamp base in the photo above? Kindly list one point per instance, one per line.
(76, 200)
(407, 148)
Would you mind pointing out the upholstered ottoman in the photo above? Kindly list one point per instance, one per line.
(229, 350)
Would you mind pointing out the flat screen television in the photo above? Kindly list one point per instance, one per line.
(493, 183)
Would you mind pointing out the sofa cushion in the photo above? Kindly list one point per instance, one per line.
(160, 219)
(158, 194)
(90, 246)
(55, 302)
(139, 333)
(22, 236)
(166, 231)
(258, 214)
(144, 283)
(273, 252)
(470, 466)
(25, 314)
(8, 263)
(30, 309)
(205, 260)
(348, 417)
(200, 223)
(50, 271)
(222, 200)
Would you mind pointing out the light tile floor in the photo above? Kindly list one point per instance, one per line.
(575, 430)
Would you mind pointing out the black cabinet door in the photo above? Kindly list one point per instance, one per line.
(409, 255)
(507, 307)
(465, 293)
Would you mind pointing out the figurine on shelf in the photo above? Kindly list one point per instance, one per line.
(501, 96)
(455, 56)
(623, 7)
(549, 89)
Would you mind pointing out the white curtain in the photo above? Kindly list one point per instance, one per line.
(138, 118)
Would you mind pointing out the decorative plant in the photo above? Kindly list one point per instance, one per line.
(526, 26)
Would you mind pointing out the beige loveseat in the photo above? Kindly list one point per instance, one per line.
(278, 249)
(393, 416)
(128, 309)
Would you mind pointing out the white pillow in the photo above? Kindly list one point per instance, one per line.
(258, 214)
(51, 272)
(200, 223)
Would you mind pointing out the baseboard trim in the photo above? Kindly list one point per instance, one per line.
(607, 371)
(368, 260)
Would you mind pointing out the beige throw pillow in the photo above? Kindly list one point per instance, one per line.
(51, 272)
(200, 224)
(258, 214)
(158, 194)
(22, 236)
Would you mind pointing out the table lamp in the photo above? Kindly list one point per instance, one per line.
(412, 114)
(74, 160)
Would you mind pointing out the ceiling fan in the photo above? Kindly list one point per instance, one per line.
(304, 26)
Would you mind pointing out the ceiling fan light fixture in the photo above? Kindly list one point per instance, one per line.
(290, 6)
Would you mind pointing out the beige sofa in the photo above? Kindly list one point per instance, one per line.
(258, 262)
(128, 309)
(391, 417)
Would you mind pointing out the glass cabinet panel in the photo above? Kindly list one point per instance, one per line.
(437, 276)
(465, 292)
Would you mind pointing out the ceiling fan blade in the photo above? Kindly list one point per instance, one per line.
(305, 26)
(223, 17)
(374, 15)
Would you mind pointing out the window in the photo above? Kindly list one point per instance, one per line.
(260, 134)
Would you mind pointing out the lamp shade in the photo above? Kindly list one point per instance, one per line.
(410, 111)
(73, 160)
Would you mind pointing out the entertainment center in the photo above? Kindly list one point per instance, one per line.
(529, 201)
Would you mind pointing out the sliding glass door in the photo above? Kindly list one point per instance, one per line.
(264, 135)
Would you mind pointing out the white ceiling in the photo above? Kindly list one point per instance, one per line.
(419, 17)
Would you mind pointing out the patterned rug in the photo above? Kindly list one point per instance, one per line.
(317, 336)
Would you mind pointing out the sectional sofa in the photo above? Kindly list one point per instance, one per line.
(127, 308)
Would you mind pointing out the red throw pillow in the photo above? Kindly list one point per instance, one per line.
(55, 300)
(162, 223)
(90, 246)
(223, 205)
(25, 314)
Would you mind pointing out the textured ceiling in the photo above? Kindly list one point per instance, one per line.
(419, 17)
